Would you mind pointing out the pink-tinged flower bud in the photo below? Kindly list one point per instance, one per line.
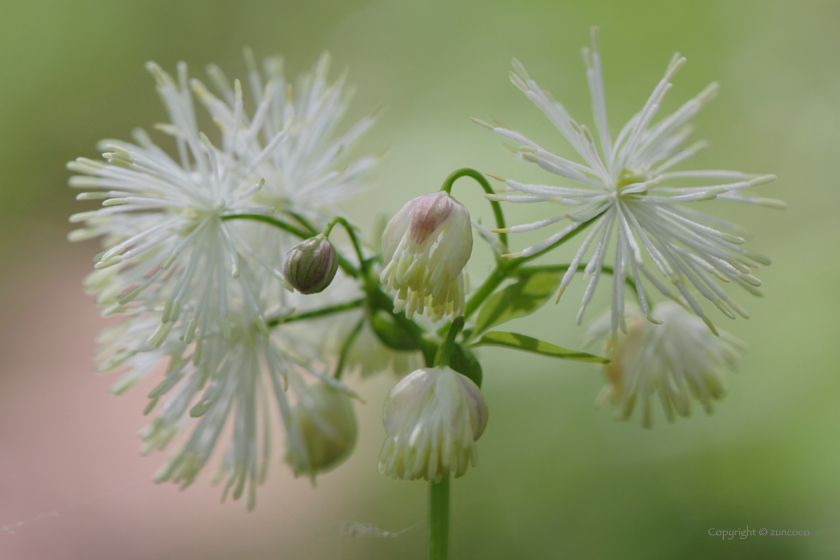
(311, 265)
(433, 417)
(424, 249)
(326, 430)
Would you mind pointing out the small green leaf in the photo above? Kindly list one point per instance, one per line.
(521, 298)
(528, 344)
(391, 334)
(464, 362)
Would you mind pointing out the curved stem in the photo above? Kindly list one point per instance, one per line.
(302, 220)
(439, 519)
(350, 233)
(497, 208)
(345, 265)
(270, 220)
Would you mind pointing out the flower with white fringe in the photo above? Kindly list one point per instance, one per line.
(169, 246)
(433, 417)
(630, 193)
(309, 172)
(241, 377)
(679, 359)
(425, 247)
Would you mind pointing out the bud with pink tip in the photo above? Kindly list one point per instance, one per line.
(424, 249)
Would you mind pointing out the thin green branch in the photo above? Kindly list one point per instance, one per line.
(497, 208)
(269, 220)
(345, 348)
(345, 265)
(350, 233)
(316, 313)
(304, 221)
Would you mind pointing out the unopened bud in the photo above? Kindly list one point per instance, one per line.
(327, 430)
(311, 265)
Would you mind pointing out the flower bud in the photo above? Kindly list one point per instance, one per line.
(425, 247)
(326, 429)
(311, 265)
(433, 417)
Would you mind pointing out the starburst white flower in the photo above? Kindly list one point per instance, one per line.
(169, 245)
(677, 359)
(425, 247)
(627, 189)
(170, 249)
(433, 417)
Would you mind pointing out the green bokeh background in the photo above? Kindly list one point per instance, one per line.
(556, 478)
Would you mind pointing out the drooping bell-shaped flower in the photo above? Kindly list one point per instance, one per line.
(433, 417)
(327, 427)
(424, 249)
(679, 359)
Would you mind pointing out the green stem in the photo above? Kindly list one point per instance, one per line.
(497, 208)
(350, 232)
(439, 519)
(315, 313)
(445, 351)
(345, 265)
(269, 220)
(345, 348)
(303, 221)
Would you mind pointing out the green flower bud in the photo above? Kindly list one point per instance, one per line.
(327, 428)
(311, 265)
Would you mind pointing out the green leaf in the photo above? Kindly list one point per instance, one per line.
(528, 344)
(391, 334)
(464, 362)
(521, 298)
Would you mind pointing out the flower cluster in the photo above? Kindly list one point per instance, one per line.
(194, 280)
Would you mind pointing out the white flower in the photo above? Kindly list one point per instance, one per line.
(433, 417)
(240, 375)
(626, 189)
(172, 254)
(425, 247)
(678, 359)
(169, 248)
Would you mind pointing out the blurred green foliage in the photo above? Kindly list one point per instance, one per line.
(556, 479)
